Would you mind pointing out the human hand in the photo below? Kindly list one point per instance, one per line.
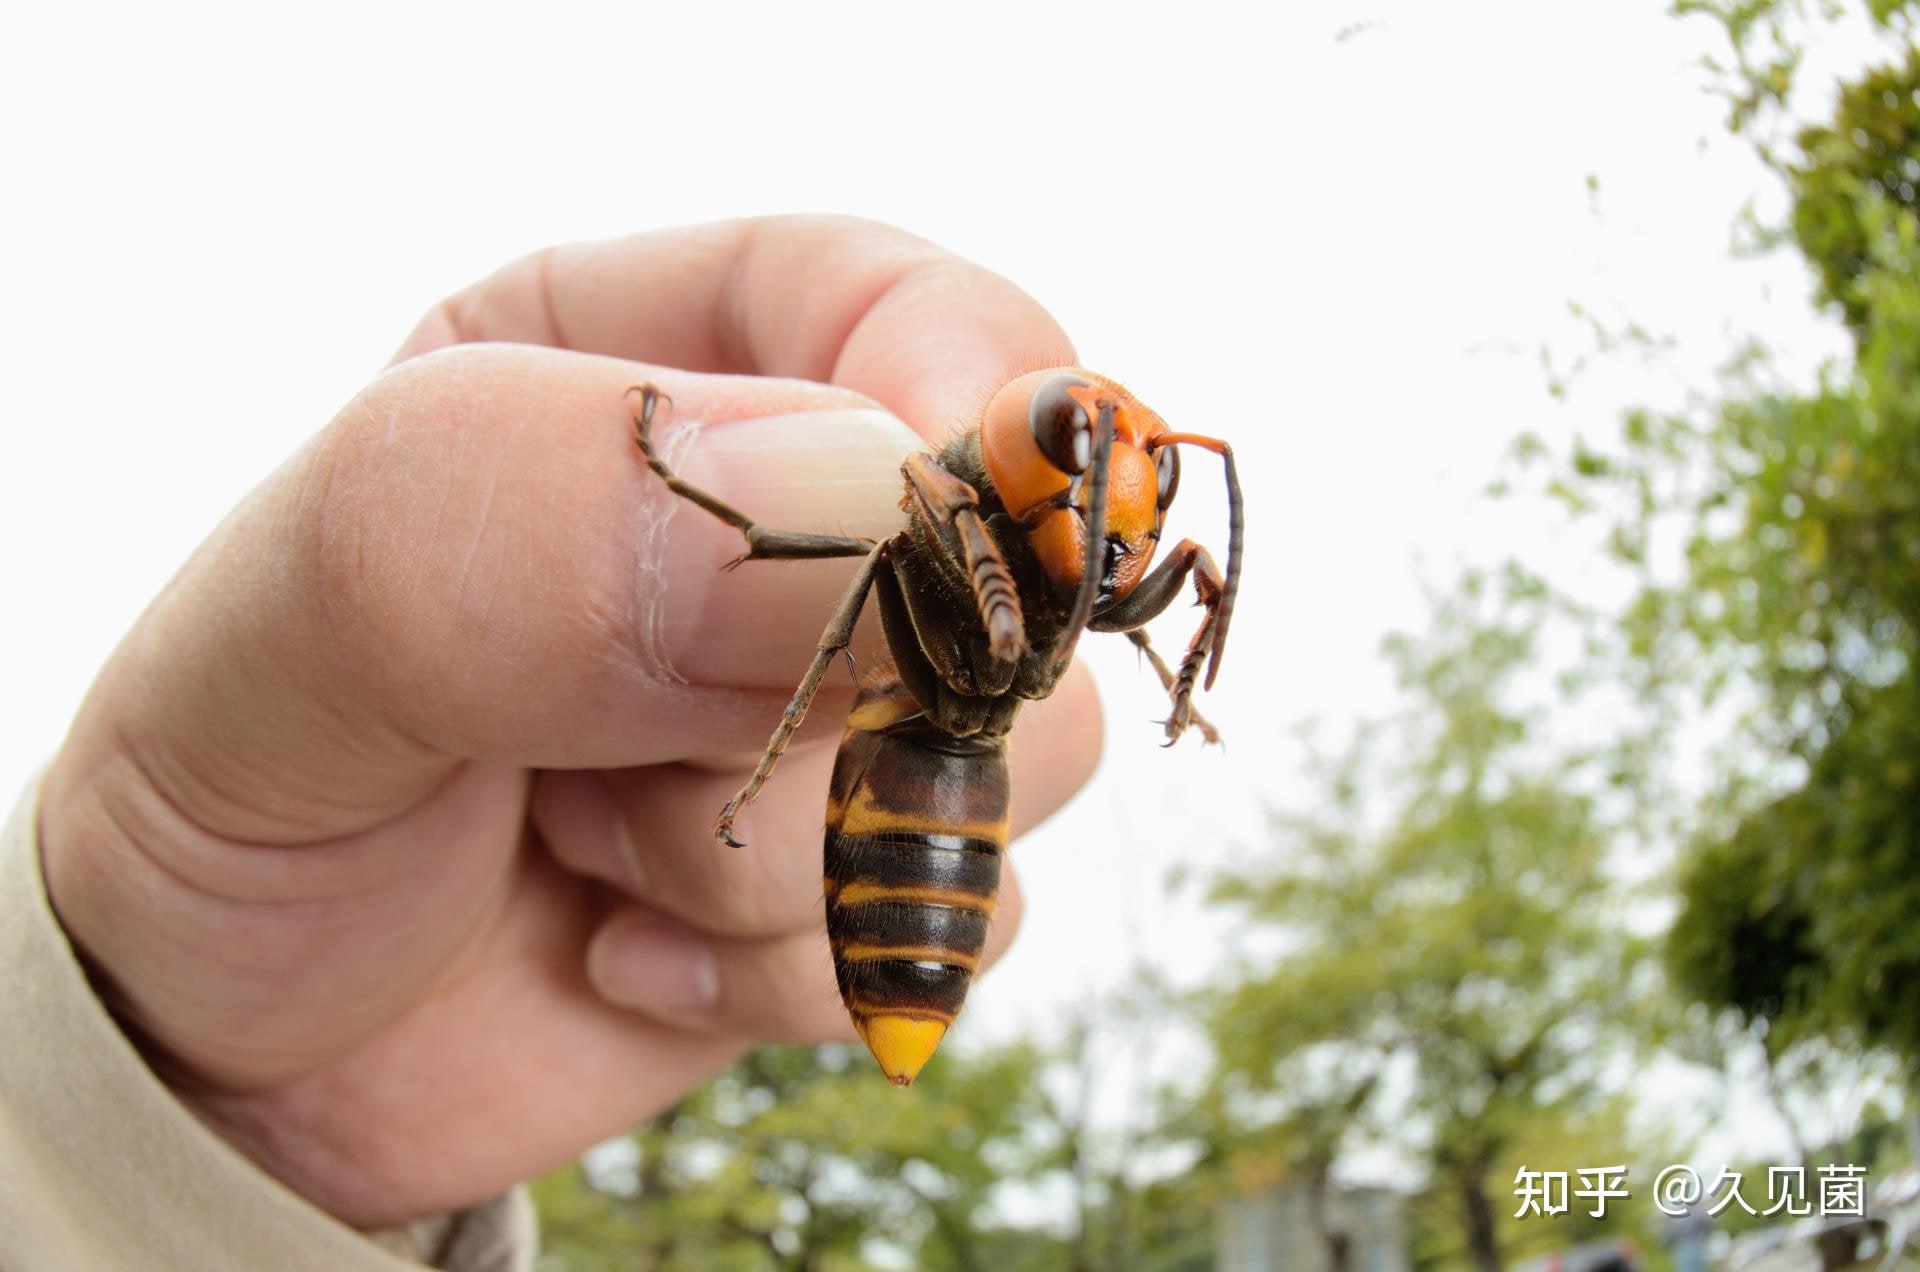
(386, 829)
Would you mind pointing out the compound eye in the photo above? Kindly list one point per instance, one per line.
(1060, 425)
(1168, 464)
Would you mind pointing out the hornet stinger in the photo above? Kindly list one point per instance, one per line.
(1035, 525)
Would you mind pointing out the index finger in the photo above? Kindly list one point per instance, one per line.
(825, 298)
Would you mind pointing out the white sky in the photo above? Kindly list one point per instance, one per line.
(1345, 255)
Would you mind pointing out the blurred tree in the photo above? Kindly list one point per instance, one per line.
(1800, 515)
(795, 1158)
(802, 1158)
(1795, 595)
(1855, 178)
(1449, 974)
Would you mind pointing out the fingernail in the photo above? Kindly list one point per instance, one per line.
(825, 472)
(650, 964)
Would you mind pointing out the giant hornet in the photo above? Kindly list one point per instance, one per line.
(1025, 530)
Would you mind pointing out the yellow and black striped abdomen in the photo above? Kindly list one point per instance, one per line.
(916, 825)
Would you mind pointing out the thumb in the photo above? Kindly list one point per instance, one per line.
(472, 562)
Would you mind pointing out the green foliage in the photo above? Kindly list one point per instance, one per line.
(582, 1228)
(1797, 592)
(1743, 938)
(801, 1158)
(1808, 910)
(806, 1158)
(1767, 42)
(1866, 885)
(1854, 189)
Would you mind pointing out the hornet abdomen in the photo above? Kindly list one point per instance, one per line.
(916, 825)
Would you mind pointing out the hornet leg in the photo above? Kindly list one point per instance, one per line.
(947, 501)
(836, 638)
(1151, 598)
(762, 544)
(1138, 636)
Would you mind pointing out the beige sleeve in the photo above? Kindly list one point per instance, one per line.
(101, 1168)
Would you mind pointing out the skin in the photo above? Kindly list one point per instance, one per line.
(384, 837)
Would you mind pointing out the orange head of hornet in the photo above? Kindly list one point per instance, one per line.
(1088, 474)
(1038, 438)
